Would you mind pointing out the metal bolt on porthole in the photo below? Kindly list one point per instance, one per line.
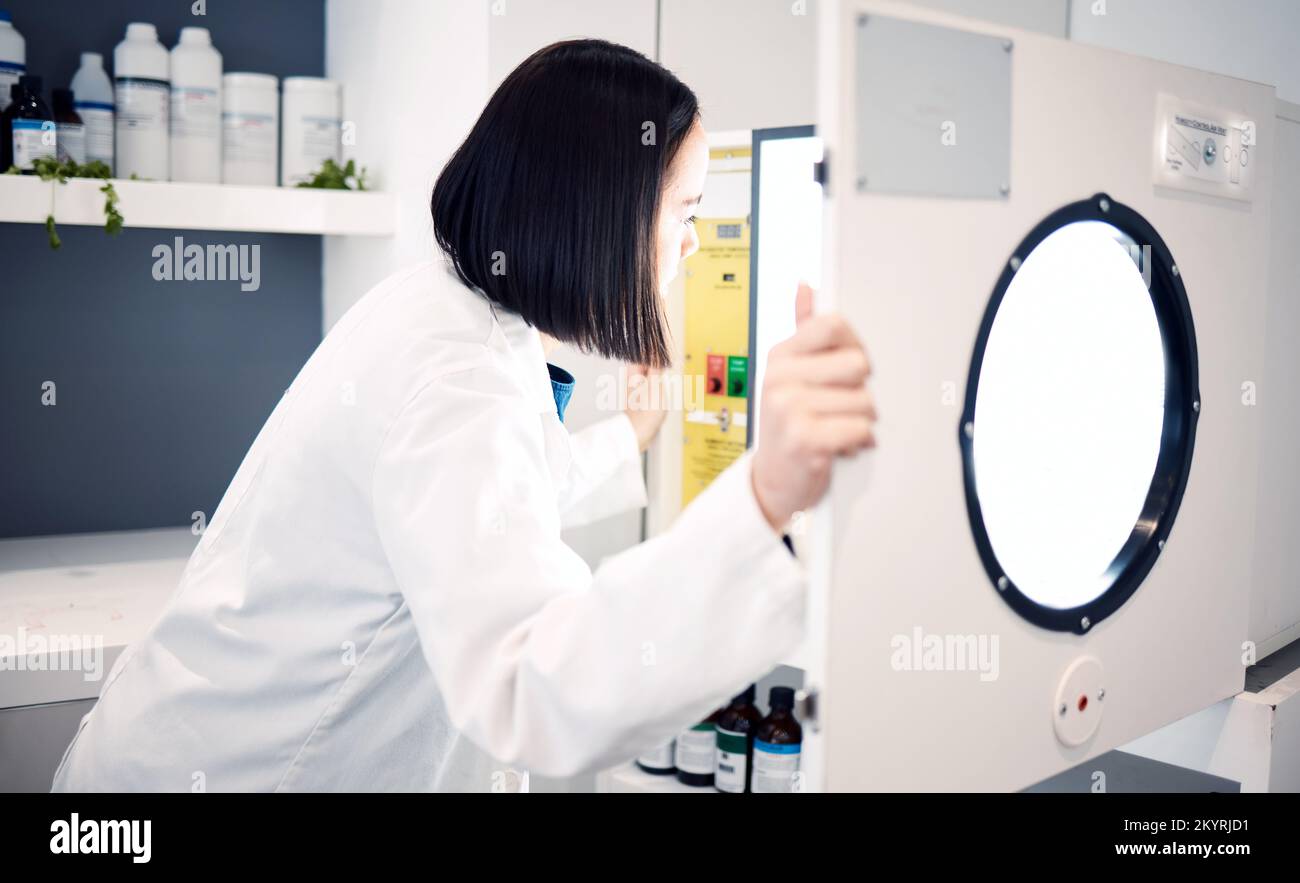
(1196, 406)
(1003, 583)
(969, 429)
(1014, 263)
(1175, 269)
(1104, 205)
(1086, 623)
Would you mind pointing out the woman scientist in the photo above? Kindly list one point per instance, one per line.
(382, 601)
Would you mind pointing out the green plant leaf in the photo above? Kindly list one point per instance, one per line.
(331, 177)
(113, 219)
(49, 168)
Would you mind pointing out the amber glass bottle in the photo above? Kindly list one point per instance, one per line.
(736, 743)
(777, 743)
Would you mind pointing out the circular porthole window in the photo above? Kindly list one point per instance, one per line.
(1080, 415)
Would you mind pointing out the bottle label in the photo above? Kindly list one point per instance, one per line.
(10, 71)
(660, 758)
(695, 750)
(196, 113)
(248, 137)
(141, 128)
(732, 761)
(32, 139)
(775, 767)
(319, 142)
(98, 118)
(142, 104)
(72, 142)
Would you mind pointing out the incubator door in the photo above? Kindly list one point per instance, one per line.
(1049, 553)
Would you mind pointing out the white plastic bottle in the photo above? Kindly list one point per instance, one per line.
(250, 129)
(140, 70)
(13, 56)
(196, 108)
(92, 95)
(312, 117)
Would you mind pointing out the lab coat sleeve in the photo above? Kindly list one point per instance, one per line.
(605, 475)
(543, 665)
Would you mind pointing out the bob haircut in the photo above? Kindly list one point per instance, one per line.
(550, 205)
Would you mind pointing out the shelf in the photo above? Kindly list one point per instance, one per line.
(629, 779)
(25, 199)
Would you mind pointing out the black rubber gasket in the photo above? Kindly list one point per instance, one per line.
(1182, 410)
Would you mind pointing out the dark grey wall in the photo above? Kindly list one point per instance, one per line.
(161, 386)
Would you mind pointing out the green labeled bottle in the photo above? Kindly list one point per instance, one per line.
(736, 728)
(695, 752)
(777, 743)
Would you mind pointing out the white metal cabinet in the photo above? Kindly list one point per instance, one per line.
(914, 275)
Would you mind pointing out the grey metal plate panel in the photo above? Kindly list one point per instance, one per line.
(933, 110)
(1118, 772)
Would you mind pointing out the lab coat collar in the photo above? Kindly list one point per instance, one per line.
(522, 343)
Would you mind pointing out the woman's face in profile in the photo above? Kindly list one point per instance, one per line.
(683, 186)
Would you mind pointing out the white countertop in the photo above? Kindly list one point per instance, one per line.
(89, 594)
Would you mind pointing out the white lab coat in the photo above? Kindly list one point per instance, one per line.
(382, 600)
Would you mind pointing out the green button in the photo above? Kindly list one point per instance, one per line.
(738, 376)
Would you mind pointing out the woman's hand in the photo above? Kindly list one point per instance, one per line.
(815, 406)
(645, 406)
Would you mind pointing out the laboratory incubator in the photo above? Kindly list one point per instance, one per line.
(1065, 262)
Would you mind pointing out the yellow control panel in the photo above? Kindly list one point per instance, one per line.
(716, 367)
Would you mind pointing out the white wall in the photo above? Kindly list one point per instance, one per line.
(416, 79)
(750, 62)
(519, 27)
(1044, 16)
(1250, 39)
